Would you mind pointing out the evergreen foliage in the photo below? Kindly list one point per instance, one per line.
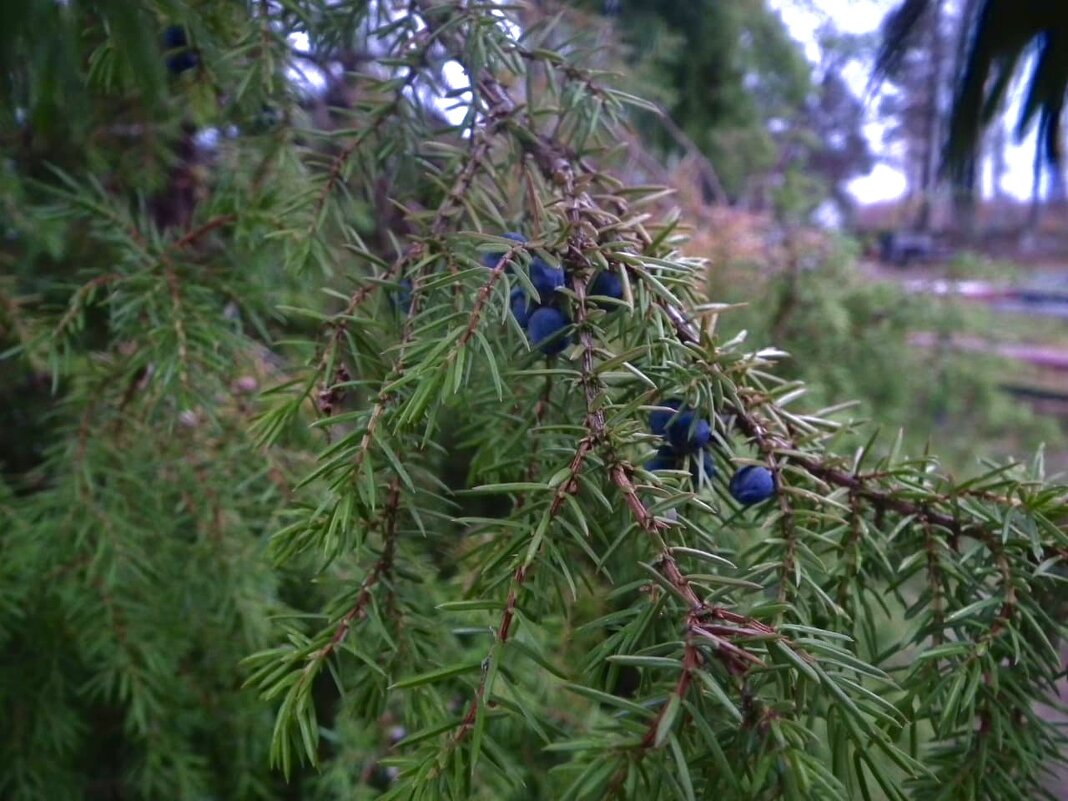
(427, 561)
(1001, 41)
(724, 71)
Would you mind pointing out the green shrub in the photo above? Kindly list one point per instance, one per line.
(425, 560)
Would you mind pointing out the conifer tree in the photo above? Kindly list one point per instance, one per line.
(380, 455)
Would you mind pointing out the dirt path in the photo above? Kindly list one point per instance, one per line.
(1048, 358)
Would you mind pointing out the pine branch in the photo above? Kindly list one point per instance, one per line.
(381, 570)
(191, 237)
(567, 486)
(179, 326)
(860, 485)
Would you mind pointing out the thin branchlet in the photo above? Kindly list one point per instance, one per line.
(380, 571)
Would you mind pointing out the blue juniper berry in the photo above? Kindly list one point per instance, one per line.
(752, 484)
(522, 307)
(174, 37)
(659, 419)
(182, 58)
(402, 297)
(544, 327)
(665, 459)
(688, 432)
(607, 284)
(545, 278)
(491, 258)
(680, 426)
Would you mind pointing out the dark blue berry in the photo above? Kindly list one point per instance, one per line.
(182, 62)
(659, 419)
(665, 459)
(608, 285)
(174, 37)
(493, 257)
(181, 58)
(522, 306)
(688, 432)
(545, 278)
(703, 461)
(544, 329)
(752, 484)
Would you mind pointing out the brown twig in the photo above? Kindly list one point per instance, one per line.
(79, 293)
(556, 163)
(858, 484)
(192, 236)
(504, 627)
(179, 326)
(480, 302)
(453, 200)
(341, 159)
(382, 567)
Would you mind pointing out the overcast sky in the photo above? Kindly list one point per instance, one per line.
(885, 182)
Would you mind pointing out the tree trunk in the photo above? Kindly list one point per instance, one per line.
(964, 202)
(932, 116)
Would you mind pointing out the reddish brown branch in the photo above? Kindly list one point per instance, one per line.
(480, 301)
(860, 485)
(179, 326)
(691, 658)
(417, 250)
(192, 236)
(555, 162)
(381, 568)
(504, 628)
(81, 292)
(341, 159)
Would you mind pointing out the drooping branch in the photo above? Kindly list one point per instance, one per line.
(380, 570)
(863, 486)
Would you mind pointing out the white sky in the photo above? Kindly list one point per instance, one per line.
(885, 181)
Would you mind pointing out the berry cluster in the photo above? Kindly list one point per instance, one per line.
(544, 321)
(687, 434)
(180, 56)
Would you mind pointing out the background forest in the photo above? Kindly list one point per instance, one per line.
(459, 399)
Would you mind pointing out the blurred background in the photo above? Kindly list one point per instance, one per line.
(907, 256)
